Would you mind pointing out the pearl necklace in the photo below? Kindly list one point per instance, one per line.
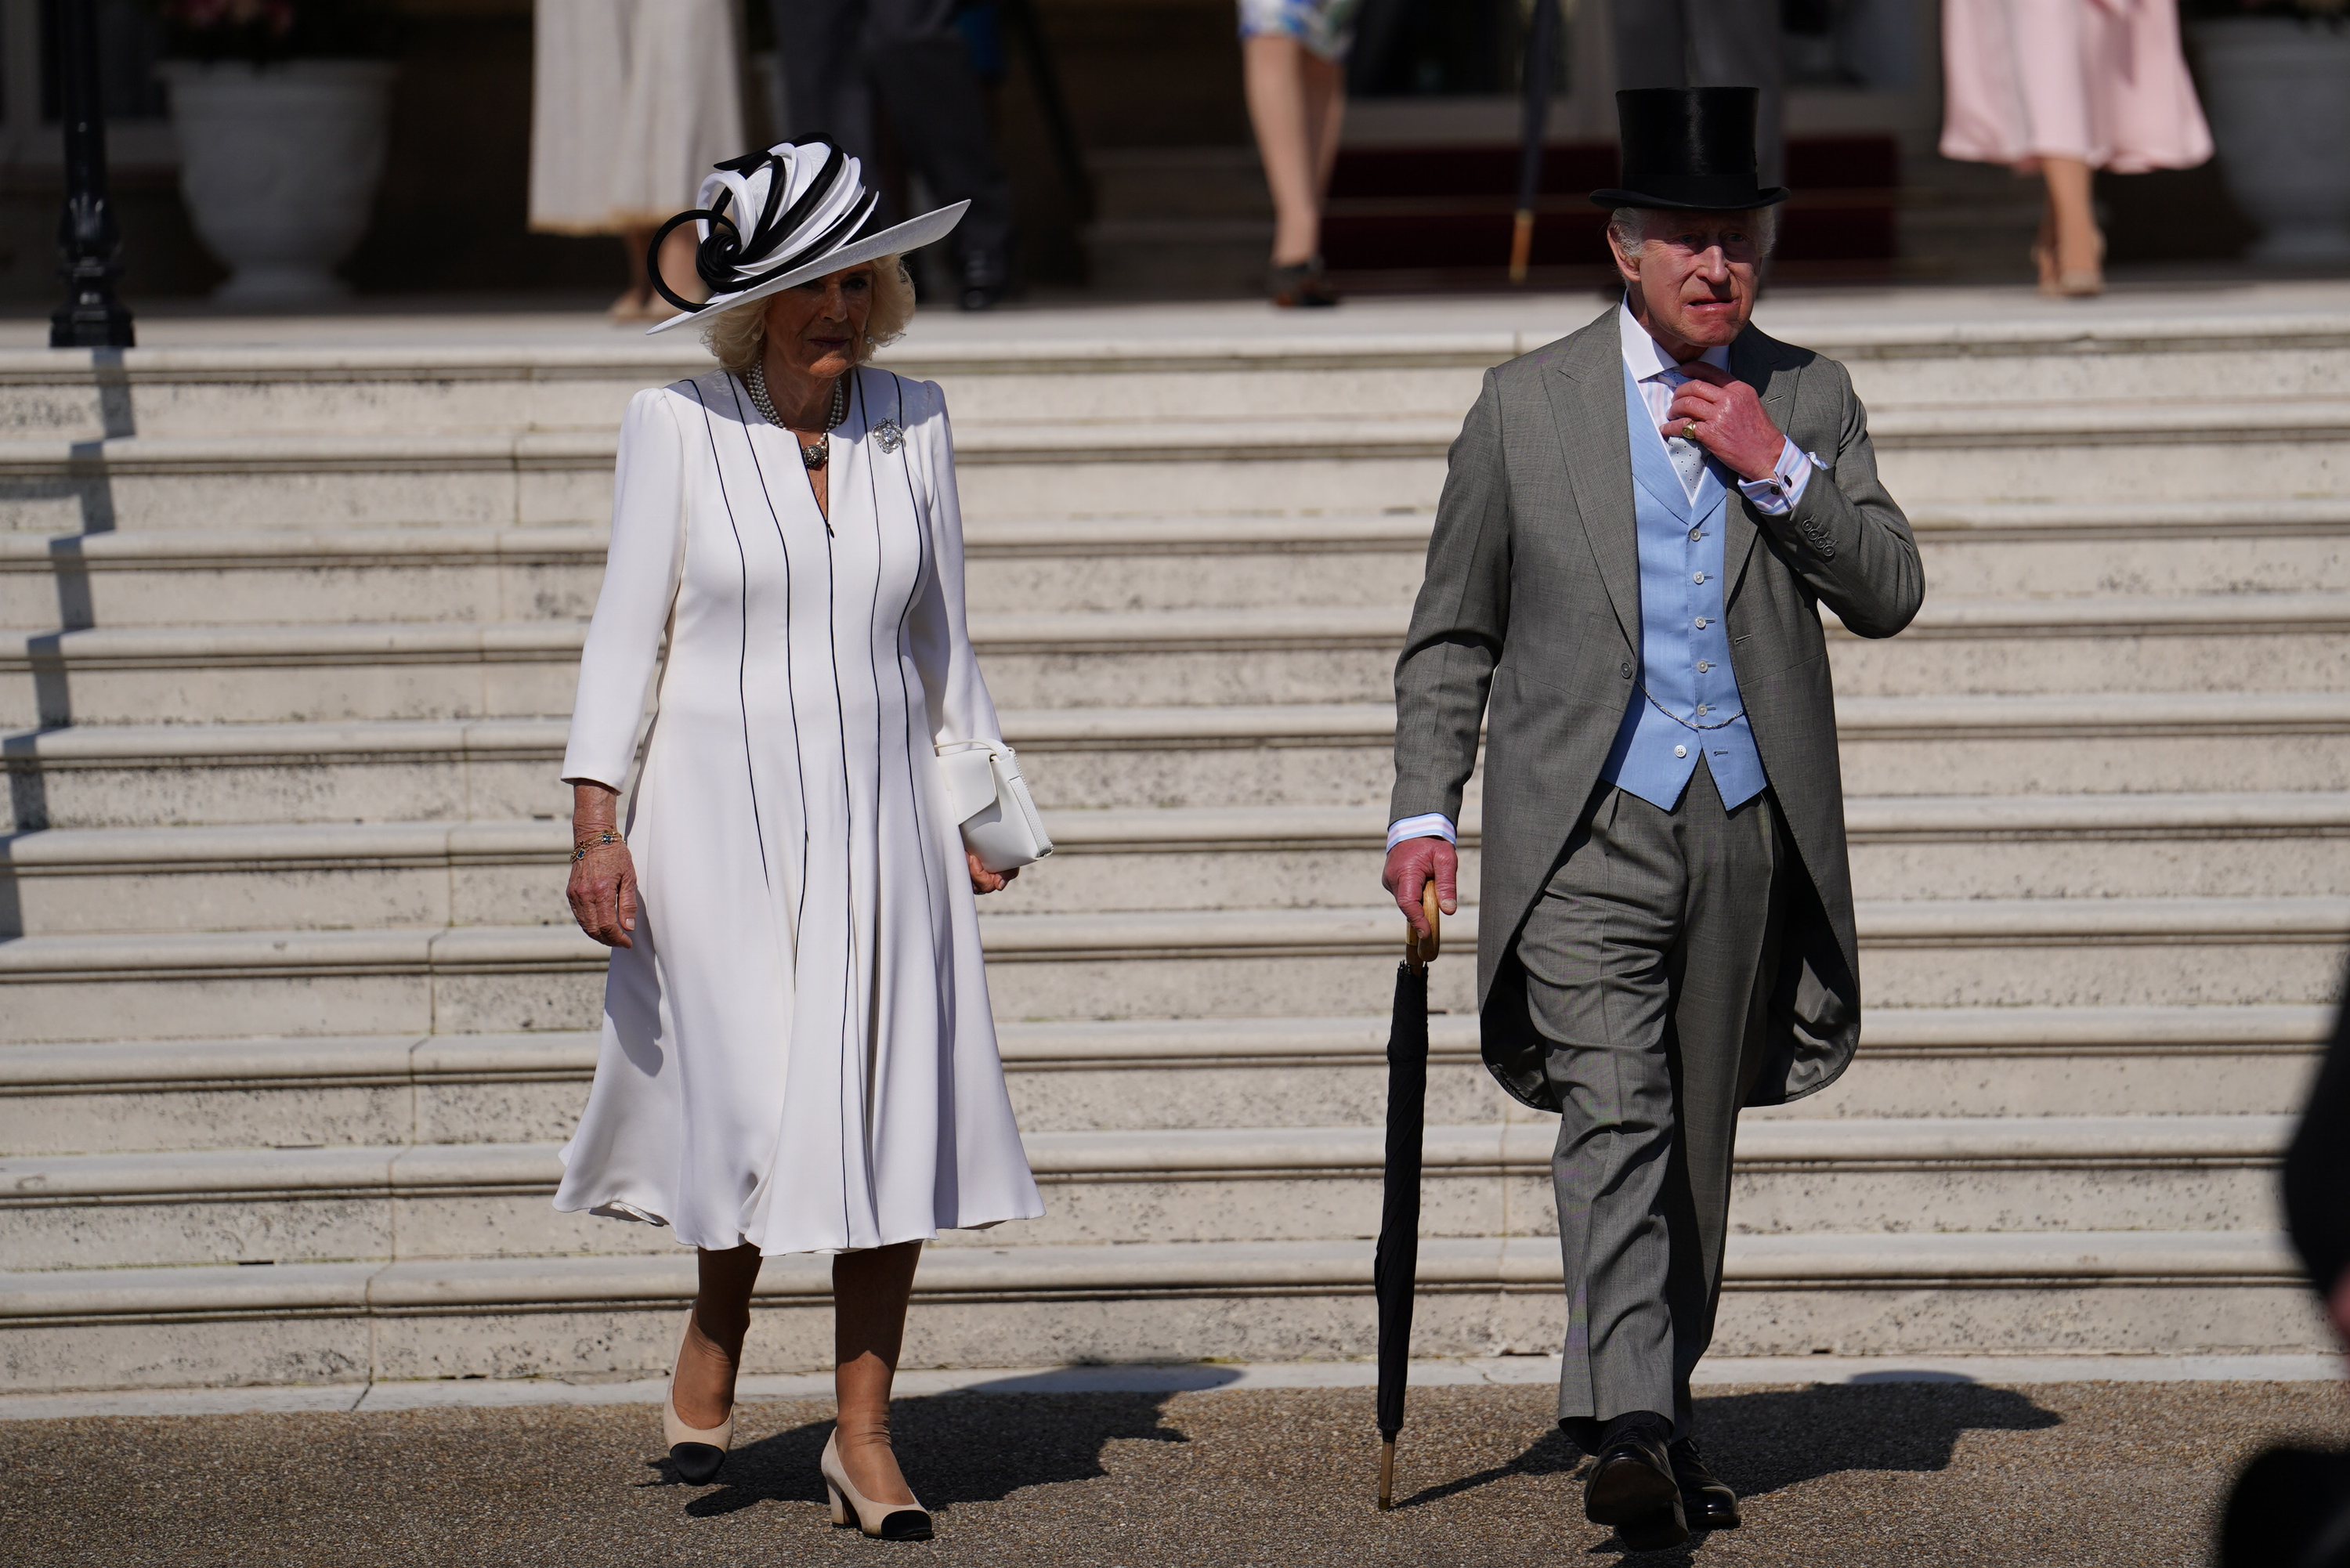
(755, 380)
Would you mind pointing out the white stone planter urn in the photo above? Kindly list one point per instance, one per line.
(278, 165)
(2277, 92)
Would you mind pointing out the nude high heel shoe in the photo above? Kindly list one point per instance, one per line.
(882, 1521)
(696, 1452)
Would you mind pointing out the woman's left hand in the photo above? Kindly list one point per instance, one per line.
(982, 880)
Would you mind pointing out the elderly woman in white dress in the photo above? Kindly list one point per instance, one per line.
(797, 1053)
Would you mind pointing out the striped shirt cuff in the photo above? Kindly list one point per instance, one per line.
(1433, 825)
(1777, 495)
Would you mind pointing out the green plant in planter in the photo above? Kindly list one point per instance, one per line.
(267, 32)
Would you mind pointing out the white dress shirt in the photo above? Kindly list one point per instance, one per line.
(1658, 376)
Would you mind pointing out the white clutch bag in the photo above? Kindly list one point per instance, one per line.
(989, 798)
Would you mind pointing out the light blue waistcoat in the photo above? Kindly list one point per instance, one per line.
(1684, 640)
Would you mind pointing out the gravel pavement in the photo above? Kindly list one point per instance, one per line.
(1903, 1474)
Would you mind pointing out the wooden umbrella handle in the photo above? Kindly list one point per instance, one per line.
(1419, 951)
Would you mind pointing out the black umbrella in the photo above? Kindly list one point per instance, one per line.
(1395, 1269)
(1542, 49)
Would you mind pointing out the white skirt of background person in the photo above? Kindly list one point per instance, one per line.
(798, 1050)
(631, 102)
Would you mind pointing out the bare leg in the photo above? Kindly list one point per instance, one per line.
(2080, 248)
(870, 1291)
(638, 298)
(1276, 80)
(677, 267)
(1326, 115)
(704, 1387)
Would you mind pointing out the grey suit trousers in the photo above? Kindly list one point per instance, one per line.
(1710, 43)
(1649, 960)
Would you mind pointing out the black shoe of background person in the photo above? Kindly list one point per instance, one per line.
(1300, 285)
(1632, 1488)
(986, 279)
(1705, 1502)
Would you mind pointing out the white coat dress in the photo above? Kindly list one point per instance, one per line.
(797, 1052)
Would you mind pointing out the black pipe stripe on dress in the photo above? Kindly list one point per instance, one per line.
(849, 989)
(743, 658)
(791, 691)
(881, 762)
(923, 565)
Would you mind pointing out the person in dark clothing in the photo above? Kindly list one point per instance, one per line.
(2290, 1508)
(2317, 1182)
(840, 57)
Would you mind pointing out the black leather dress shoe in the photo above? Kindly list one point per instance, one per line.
(1632, 1488)
(986, 279)
(1705, 1502)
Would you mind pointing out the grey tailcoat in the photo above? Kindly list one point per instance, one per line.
(1532, 602)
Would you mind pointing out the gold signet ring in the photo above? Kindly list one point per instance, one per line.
(1688, 431)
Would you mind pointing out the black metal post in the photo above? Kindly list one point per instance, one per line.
(89, 246)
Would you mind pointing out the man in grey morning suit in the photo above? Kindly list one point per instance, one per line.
(1639, 527)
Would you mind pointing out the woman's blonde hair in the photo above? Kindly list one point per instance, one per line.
(737, 335)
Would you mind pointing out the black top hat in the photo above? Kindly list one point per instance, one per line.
(1691, 149)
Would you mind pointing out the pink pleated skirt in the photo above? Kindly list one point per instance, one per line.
(2099, 80)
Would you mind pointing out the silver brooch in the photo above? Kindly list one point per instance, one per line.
(887, 436)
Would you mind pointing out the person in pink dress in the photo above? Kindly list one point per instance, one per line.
(2062, 88)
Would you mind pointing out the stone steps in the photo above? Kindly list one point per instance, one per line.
(1852, 1293)
(1301, 754)
(1311, 465)
(2094, 798)
(1147, 368)
(300, 573)
(1284, 655)
(1195, 1184)
(127, 1096)
(315, 876)
(1992, 952)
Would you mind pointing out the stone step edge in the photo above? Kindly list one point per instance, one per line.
(1255, 629)
(1178, 934)
(130, 1066)
(1211, 349)
(1970, 1145)
(312, 846)
(1157, 440)
(433, 544)
(1823, 1260)
(2122, 713)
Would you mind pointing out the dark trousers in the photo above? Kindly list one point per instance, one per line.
(1649, 962)
(1710, 43)
(840, 55)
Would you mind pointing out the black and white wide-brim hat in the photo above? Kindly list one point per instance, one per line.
(770, 220)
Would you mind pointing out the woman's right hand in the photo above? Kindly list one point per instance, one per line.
(603, 894)
(603, 889)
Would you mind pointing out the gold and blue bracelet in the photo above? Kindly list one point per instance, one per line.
(607, 836)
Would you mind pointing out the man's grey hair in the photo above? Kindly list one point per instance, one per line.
(1627, 226)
